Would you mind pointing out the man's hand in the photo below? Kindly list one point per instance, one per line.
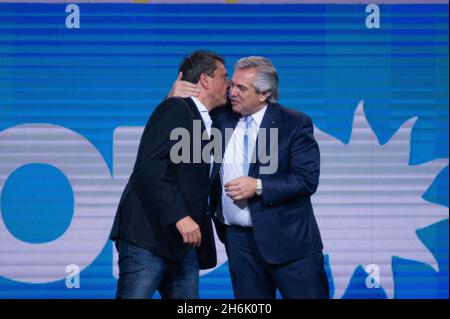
(182, 88)
(190, 231)
(243, 187)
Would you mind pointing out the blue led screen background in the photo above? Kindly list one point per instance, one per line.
(73, 103)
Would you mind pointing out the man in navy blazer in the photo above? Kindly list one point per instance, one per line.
(263, 211)
(162, 229)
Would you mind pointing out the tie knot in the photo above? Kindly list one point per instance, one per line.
(249, 120)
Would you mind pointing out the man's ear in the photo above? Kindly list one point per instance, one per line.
(264, 96)
(204, 81)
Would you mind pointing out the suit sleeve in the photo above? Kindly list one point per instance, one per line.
(156, 167)
(302, 179)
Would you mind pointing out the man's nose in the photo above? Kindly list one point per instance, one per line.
(232, 91)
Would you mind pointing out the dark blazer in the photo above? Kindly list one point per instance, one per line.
(283, 221)
(160, 192)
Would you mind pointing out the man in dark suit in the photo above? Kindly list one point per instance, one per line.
(162, 229)
(263, 212)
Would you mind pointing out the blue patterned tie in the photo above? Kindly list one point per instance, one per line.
(248, 123)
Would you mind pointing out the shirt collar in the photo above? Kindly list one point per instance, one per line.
(200, 106)
(258, 116)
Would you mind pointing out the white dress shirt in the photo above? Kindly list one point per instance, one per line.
(204, 113)
(207, 121)
(237, 212)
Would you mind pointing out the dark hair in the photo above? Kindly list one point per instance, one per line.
(197, 63)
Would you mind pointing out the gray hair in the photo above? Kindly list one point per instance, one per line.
(266, 75)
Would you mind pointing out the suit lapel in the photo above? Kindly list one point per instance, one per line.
(194, 109)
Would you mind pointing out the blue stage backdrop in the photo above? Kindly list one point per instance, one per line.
(74, 100)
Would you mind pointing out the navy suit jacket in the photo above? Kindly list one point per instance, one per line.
(283, 221)
(161, 192)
